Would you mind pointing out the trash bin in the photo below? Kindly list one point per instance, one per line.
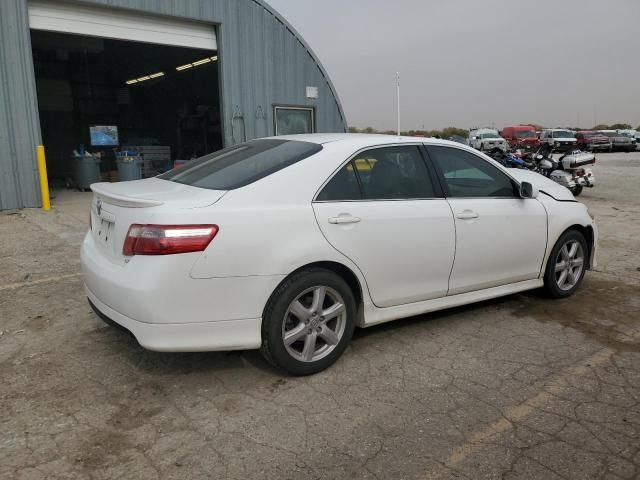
(129, 166)
(86, 170)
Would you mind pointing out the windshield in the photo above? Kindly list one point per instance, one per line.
(525, 134)
(242, 164)
(562, 134)
(609, 134)
(489, 135)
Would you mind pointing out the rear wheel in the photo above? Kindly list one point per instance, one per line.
(308, 322)
(566, 265)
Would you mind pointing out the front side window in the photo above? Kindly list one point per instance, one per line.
(242, 164)
(388, 173)
(469, 176)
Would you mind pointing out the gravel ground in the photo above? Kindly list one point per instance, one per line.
(520, 387)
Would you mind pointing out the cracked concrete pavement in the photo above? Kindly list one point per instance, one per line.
(520, 387)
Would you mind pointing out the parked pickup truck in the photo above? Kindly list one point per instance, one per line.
(619, 142)
(485, 139)
(592, 141)
(560, 139)
(522, 137)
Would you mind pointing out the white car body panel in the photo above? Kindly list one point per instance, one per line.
(404, 248)
(489, 255)
(214, 300)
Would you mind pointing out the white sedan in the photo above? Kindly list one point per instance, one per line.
(287, 244)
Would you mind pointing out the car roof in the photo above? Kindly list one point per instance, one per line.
(362, 139)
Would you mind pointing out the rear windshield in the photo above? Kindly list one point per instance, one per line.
(242, 164)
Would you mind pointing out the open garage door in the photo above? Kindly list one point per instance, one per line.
(120, 24)
(117, 83)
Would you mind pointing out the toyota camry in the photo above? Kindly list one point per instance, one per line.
(287, 244)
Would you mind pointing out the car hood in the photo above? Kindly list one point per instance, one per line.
(564, 139)
(544, 184)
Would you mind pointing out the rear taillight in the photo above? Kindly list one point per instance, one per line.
(167, 239)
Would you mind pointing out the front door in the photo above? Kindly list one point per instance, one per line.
(500, 237)
(383, 211)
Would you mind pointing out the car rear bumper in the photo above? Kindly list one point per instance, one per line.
(157, 300)
(184, 337)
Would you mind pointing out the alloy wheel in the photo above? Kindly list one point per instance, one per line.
(569, 264)
(314, 323)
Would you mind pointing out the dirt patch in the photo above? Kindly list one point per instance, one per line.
(606, 311)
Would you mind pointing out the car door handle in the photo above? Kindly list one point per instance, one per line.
(343, 219)
(467, 215)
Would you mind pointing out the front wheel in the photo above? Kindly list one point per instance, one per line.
(308, 322)
(566, 265)
(577, 190)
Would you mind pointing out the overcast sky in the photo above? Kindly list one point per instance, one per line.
(477, 62)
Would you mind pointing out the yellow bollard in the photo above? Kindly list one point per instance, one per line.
(44, 180)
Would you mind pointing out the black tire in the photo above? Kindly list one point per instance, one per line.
(551, 286)
(276, 314)
(577, 190)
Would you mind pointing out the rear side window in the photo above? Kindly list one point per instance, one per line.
(242, 164)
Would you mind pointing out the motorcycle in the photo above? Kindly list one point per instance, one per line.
(511, 159)
(570, 170)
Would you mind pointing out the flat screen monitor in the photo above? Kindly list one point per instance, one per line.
(104, 136)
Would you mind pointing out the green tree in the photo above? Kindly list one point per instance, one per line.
(601, 126)
(620, 126)
(451, 131)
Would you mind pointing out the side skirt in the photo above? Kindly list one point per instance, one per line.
(375, 316)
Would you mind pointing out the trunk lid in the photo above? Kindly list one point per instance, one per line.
(116, 206)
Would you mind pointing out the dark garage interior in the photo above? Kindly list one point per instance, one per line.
(161, 100)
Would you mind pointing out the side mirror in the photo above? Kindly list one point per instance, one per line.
(527, 190)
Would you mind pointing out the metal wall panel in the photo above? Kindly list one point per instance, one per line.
(263, 62)
(19, 124)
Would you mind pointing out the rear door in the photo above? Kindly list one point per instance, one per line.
(500, 237)
(383, 210)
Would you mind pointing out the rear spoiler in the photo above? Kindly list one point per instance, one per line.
(103, 191)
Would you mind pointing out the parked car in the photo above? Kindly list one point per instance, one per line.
(485, 139)
(592, 141)
(521, 137)
(287, 244)
(560, 139)
(619, 142)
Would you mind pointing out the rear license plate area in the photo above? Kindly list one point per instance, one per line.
(104, 230)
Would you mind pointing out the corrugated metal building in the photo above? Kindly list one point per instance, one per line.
(262, 67)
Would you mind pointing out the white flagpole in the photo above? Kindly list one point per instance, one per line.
(398, 98)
